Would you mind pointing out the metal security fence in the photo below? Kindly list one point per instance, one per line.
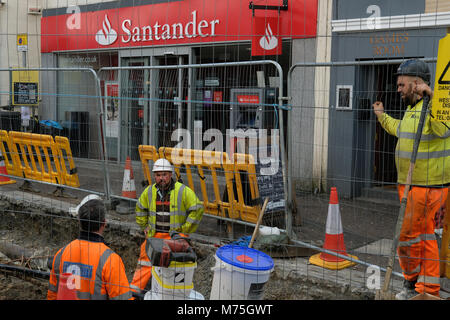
(294, 126)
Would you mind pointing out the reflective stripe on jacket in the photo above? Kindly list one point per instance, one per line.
(186, 210)
(432, 166)
(101, 270)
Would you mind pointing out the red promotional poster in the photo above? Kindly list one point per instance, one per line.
(266, 40)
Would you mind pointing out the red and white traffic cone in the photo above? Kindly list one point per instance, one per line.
(334, 239)
(128, 190)
(3, 179)
(128, 186)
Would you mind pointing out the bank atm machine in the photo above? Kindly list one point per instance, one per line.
(252, 108)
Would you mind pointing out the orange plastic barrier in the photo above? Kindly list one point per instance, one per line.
(245, 164)
(209, 162)
(146, 154)
(6, 149)
(207, 165)
(68, 172)
(36, 156)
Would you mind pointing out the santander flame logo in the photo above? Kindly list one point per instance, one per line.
(107, 35)
(268, 41)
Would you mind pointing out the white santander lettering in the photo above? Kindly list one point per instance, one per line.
(136, 35)
(147, 30)
(192, 23)
(202, 24)
(213, 27)
(166, 32)
(126, 30)
(156, 32)
(177, 30)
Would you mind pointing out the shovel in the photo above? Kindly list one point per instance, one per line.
(255, 232)
(384, 293)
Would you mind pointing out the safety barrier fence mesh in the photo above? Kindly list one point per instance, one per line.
(92, 93)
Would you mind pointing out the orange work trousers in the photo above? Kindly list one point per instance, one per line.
(143, 272)
(418, 249)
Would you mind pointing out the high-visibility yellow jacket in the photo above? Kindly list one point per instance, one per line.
(186, 210)
(432, 166)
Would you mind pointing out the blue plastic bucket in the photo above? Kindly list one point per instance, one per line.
(240, 273)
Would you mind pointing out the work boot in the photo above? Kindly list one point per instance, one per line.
(408, 290)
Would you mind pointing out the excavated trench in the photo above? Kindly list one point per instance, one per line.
(40, 234)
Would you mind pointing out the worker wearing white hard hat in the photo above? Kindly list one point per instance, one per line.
(162, 172)
(165, 206)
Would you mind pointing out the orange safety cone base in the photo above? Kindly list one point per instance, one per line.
(318, 260)
(7, 182)
(3, 179)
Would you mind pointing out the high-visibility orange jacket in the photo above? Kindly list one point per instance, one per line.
(101, 270)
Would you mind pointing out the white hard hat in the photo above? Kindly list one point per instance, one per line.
(162, 165)
(74, 211)
(86, 199)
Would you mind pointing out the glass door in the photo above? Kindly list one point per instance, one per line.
(171, 95)
(134, 107)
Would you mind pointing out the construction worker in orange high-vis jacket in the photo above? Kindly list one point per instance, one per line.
(165, 206)
(100, 271)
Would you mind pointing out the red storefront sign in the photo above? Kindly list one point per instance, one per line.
(218, 96)
(248, 99)
(266, 39)
(173, 22)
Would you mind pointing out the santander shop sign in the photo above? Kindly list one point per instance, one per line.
(156, 31)
(174, 23)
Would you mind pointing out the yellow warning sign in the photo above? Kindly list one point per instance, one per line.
(441, 97)
(25, 87)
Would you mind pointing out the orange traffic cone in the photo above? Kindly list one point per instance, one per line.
(128, 187)
(66, 289)
(334, 239)
(3, 179)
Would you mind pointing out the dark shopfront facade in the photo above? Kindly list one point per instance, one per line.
(366, 32)
(150, 104)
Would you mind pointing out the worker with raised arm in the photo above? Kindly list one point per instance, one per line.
(100, 271)
(165, 206)
(417, 249)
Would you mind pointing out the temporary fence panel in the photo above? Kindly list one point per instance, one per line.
(218, 97)
(173, 104)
